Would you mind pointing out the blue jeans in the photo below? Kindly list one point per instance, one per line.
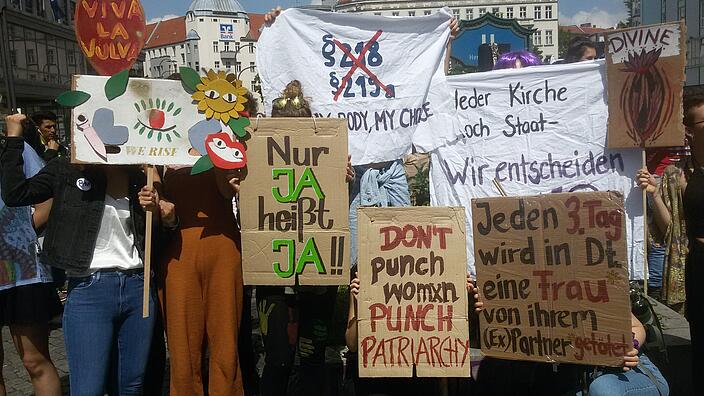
(633, 382)
(107, 340)
(656, 265)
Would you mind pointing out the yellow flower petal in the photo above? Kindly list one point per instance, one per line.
(209, 113)
(199, 95)
(212, 75)
(225, 117)
(202, 105)
(221, 75)
(239, 107)
(204, 80)
(241, 91)
(234, 114)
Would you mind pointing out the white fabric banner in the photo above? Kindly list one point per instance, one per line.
(536, 130)
(375, 71)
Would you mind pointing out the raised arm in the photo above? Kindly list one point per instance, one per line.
(17, 190)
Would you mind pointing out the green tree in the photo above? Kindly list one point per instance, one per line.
(629, 11)
(563, 42)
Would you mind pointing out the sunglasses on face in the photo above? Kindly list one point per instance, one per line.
(296, 102)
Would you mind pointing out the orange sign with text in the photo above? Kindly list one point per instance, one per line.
(111, 33)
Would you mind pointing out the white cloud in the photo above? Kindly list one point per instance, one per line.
(165, 17)
(596, 16)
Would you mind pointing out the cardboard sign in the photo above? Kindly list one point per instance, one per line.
(111, 33)
(153, 122)
(552, 273)
(295, 205)
(645, 70)
(536, 130)
(384, 75)
(412, 304)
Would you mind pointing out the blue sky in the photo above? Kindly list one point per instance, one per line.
(603, 13)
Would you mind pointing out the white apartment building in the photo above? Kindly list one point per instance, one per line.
(541, 15)
(214, 34)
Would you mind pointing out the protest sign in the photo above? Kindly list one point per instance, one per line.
(412, 303)
(645, 70)
(384, 75)
(552, 275)
(111, 33)
(148, 124)
(295, 205)
(536, 130)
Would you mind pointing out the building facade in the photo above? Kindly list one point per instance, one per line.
(39, 55)
(539, 15)
(214, 34)
(648, 12)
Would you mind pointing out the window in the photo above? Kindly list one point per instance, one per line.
(251, 48)
(201, 20)
(426, 12)
(537, 12)
(71, 57)
(254, 87)
(195, 46)
(548, 37)
(470, 13)
(31, 56)
(509, 12)
(183, 58)
(482, 11)
(13, 57)
(217, 64)
(215, 19)
(522, 13)
(216, 48)
(681, 9)
(495, 11)
(238, 67)
(197, 65)
(228, 64)
(182, 46)
(50, 59)
(377, 13)
(395, 13)
(456, 13)
(29, 6)
(548, 12)
(251, 66)
(411, 13)
(537, 38)
(227, 46)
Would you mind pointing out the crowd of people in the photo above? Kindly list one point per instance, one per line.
(84, 226)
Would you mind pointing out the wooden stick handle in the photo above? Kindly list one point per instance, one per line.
(148, 249)
(645, 232)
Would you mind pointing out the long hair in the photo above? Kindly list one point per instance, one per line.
(509, 59)
(291, 103)
(576, 49)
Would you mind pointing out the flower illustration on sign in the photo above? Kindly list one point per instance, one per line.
(220, 96)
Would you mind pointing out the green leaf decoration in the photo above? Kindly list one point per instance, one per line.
(136, 106)
(117, 84)
(238, 124)
(163, 104)
(168, 137)
(72, 98)
(150, 134)
(177, 112)
(189, 78)
(158, 103)
(178, 135)
(202, 165)
(151, 103)
(171, 106)
(141, 131)
(158, 137)
(144, 105)
(137, 125)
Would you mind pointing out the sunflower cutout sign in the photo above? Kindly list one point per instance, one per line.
(220, 97)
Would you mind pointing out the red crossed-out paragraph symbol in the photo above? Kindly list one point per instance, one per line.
(359, 64)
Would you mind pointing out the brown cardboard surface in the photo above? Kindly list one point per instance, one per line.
(645, 107)
(425, 323)
(321, 147)
(583, 308)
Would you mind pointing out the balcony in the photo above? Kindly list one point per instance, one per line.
(228, 55)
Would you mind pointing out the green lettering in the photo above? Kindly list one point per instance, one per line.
(290, 174)
(308, 180)
(276, 246)
(310, 255)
